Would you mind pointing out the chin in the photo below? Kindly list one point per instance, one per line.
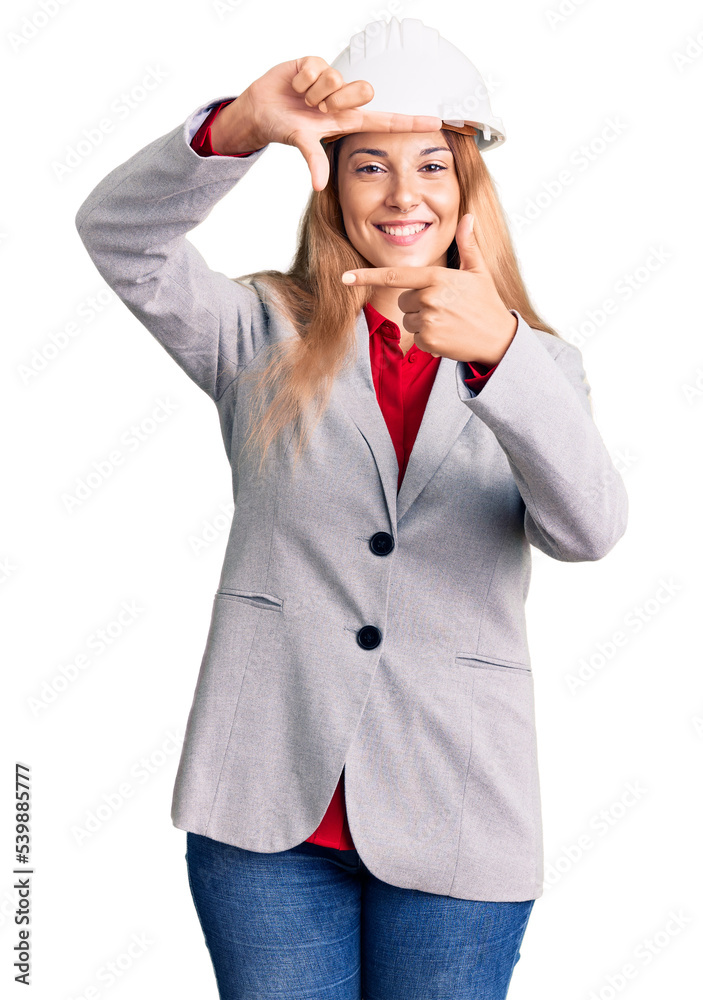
(406, 260)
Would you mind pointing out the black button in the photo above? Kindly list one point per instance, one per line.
(381, 543)
(368, 637)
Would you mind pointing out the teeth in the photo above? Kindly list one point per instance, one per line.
(404, 230)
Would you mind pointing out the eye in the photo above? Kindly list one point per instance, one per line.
(375, 166)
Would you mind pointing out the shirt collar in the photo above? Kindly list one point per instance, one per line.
(375, 320)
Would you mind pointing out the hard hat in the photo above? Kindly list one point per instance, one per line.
(414, 71)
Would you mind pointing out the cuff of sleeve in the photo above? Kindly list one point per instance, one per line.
(478, 375)
(202, 140)
(474, 374)
(212, 168)
(526, 377)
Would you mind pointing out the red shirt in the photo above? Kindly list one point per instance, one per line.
(403, 384)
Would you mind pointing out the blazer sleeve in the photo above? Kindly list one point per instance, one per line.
(538, 405)
(134, 224)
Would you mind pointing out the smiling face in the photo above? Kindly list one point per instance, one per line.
(399, 179)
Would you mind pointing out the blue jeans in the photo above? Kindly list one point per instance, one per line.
(313, 923)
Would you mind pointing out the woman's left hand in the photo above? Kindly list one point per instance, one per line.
(457, 314)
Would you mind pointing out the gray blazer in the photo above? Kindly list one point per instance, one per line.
(353, 625)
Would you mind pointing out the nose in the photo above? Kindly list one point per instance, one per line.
(402, 195)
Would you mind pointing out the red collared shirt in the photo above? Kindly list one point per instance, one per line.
(403, 384)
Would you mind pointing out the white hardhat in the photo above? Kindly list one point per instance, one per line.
(414, 71)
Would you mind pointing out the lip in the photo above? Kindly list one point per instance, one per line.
(403, 240)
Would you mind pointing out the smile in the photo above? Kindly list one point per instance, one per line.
(403, 235)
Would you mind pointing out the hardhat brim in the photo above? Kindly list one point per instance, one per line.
(466, 129)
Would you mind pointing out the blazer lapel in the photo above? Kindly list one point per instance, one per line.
(444, 418)
(356, 392)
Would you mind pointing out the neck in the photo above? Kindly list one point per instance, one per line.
(385, 301)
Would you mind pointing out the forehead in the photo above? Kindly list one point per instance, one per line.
(393, 143)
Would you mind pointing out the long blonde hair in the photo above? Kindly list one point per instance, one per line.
(323, 311)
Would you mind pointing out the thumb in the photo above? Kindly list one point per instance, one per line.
(469, 253)
(316, 159)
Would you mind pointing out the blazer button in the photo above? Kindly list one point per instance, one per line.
(381, 543)
(368, 637)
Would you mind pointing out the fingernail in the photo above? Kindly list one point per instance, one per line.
(322, 106)
(348, 278)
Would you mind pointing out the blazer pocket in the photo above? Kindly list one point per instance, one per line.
(491, 662)
(266, 601)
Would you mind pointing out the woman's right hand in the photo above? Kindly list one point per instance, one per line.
(301, 101)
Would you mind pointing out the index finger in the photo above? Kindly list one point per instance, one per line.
(391, 277)
(358, 120)
(390, 121)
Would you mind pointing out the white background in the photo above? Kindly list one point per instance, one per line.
(633, 215)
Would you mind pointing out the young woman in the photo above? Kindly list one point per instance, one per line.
(359, 778)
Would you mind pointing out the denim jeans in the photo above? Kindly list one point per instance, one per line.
(313, 923)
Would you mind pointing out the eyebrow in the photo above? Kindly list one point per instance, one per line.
(382, 152)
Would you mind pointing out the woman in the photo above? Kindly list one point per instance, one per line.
(359, 774)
